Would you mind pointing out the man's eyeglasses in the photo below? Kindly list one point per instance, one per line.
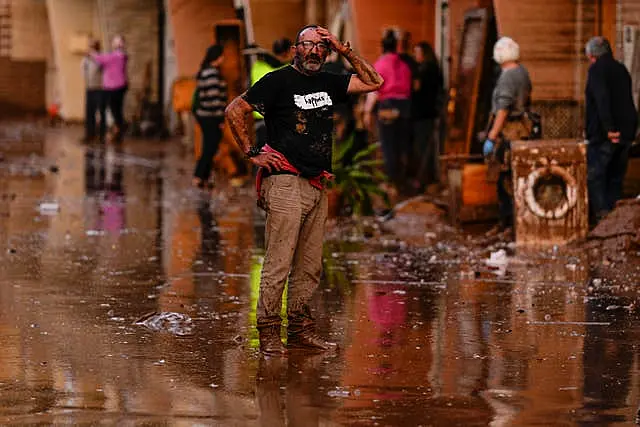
(309, 45)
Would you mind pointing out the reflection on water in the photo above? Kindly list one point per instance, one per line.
(532, 347)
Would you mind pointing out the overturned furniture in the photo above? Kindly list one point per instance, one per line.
(471, 196)
(550, 191)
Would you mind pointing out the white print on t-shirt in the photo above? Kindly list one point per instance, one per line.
(313, 100)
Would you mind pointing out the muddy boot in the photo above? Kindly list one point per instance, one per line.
(270, 342)
(301, 335)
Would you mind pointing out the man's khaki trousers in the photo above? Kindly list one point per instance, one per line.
(294, 233)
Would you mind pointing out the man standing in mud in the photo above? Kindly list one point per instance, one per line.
(611, 124)
(297, 104)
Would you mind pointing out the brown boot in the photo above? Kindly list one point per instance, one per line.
(301, 335)
(270, 342)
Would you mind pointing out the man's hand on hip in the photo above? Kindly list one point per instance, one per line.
(614, 137)
(269, 161)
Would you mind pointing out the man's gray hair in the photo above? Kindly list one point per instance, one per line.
(597, 47)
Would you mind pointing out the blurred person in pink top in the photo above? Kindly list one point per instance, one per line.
(393, 101)
(115, 81)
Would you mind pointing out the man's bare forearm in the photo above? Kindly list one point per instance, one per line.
(236, 114)
(363, 69)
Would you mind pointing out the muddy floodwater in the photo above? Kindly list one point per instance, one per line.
(128, 299)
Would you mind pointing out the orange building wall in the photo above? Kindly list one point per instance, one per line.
(417, 17)
(192, 23)
(264, 13)
(552, 39)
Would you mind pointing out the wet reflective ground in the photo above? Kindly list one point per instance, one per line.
(428, 335)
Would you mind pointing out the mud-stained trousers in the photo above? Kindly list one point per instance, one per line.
(294, 234)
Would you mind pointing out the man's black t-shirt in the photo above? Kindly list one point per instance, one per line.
(298, 112)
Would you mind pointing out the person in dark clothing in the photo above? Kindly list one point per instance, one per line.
(94, 96)
(209, 111)
(611, 124)
(426, 100)
(406, 54)
(393, 110)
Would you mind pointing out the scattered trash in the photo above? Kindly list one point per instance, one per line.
(175, 323)
(343, 392)
(498, 262)
(572, 323)
(49, 208)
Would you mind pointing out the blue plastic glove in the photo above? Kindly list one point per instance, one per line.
(487, 148)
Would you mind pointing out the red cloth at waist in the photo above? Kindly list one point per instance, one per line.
(316, 181)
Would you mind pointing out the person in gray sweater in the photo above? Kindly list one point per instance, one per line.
(511, 97)
(94, 96)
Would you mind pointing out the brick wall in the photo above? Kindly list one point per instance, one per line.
(22, 87)
(31, 40)
(192, 22)
(137, 21)
(30, 35)
(69, 19)
(552, 35)
(417, 17)
(265, 12)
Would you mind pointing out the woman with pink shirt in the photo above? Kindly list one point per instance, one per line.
(115, 80)
(393, 109)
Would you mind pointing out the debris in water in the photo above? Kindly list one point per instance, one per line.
(498, 262)
(175, 323)
(342, 392)
(49, 207)
(571, 323)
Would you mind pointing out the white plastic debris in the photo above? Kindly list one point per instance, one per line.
(498, 261)
(49, 207)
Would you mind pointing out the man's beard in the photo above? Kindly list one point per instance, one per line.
(310, 63)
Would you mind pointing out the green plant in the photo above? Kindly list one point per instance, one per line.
(357, 177)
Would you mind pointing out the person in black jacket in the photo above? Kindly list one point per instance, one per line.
(611, 123)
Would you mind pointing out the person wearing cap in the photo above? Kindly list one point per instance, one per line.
(511, 97)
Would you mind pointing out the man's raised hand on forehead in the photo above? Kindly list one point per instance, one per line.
(332, 40)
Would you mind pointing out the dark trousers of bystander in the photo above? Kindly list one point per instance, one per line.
(94, 103)
(211, 136)
(504, 184)
(394, 128)
(505, 199)
(425, 152)
(606, 168)
(115, 100)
